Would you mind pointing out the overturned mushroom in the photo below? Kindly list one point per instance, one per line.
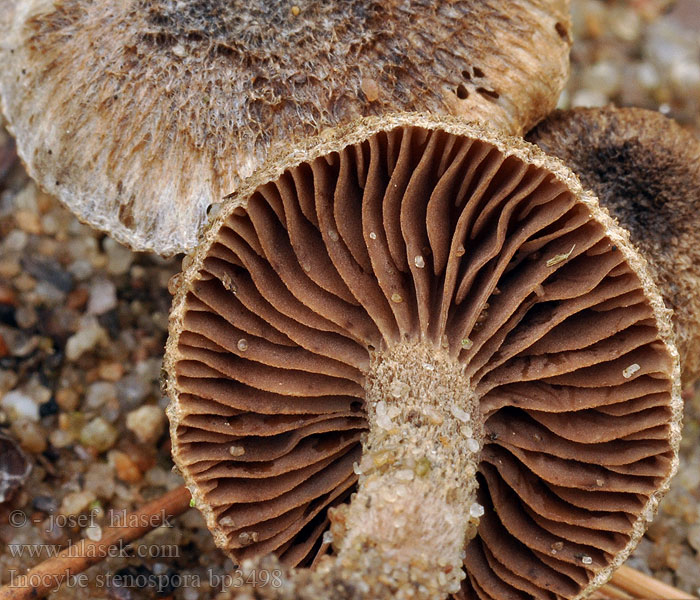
(440, 325)
(646, 170)
(139, 115)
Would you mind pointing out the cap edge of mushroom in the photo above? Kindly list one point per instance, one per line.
(332, 140)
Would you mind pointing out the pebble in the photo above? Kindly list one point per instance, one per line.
(112, 371)
(103, 297)
(30, 435)
(685, 76)
(99, 393)
(9, 265)
(239, 451)
(624, 22)
(162, 478)
(7, 295)
(50, 223)
(47, 294)
(24, 282)
(77, 502)
(45, 504)
(689, 476)
(48, 408)
(132, 390)
(647, 75)
(81, 269)
(52, 531)
(49, 271)
(398, 389)
(119, 588)
(125, 468)
(689, 571)
(603, 77)
(61, 439)
(460, 414)
(37, 391)
(28, 221)
(20, 343)
(119, 258)
(99, 479)
(15, 241)
(93, 533)
(694, 537)
(8, 380)
(98, 434)
(588, 98)
(147, 423)
(631, 370)
(26, 198)
(20, 406)
(190, 593)
(86, 338)
(26, 317)
(67, 399)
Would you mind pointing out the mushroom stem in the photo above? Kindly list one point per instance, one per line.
(407, 526)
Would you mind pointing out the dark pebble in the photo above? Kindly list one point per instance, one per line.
(167, 583)
(45, 504)
(133, 582)
(48, 408)
(7, 315)
(48, 270)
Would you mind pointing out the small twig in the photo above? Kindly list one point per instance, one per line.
(48, 575)
(640, 585)
(610, 592)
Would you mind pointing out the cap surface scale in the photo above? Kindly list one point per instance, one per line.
(140, 115)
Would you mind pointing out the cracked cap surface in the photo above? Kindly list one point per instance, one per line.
(139, 115)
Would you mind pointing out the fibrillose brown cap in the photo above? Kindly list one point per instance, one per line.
(421, 229)
(645, 169)
(140, 115)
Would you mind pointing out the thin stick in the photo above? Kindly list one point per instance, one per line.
(609, 592)
(640, 585)
(48, 575)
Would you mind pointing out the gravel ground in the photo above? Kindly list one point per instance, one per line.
(83, 322)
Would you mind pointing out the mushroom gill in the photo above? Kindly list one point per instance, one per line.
(427, 345)
(139, 115)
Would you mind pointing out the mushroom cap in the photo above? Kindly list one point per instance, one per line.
(645, 169)
(141, 115)
(420, 228)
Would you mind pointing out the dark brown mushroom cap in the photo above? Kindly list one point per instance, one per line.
(646, 171)
(141, 114)
(421, 228)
